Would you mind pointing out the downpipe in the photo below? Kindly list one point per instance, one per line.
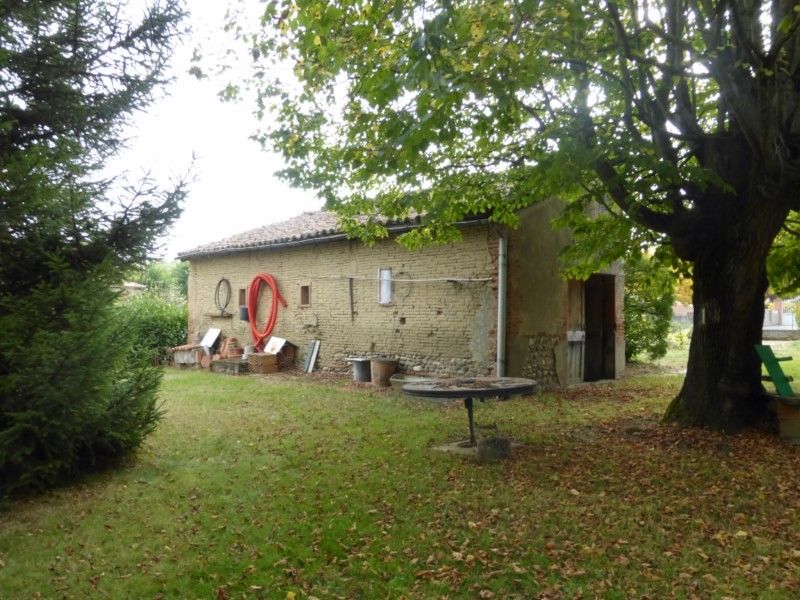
(502, 284)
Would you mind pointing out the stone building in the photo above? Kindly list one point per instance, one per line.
(435, 309)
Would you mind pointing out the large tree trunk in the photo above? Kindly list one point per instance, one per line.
(722, 389)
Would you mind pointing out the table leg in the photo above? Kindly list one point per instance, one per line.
(468, 404)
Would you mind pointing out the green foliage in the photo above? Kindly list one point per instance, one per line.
(168, 280)
(649, 295)
(180, 278)
(71, 74)
(72, 393)
(679, 338)
(783, 264)
(455, 108)
(152, 325)
(679, 118)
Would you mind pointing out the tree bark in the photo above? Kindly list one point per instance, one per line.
(722, 388)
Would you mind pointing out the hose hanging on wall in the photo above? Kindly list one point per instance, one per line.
(252, 304)
(222, 296)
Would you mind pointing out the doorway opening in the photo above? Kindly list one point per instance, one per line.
(599, 291)
(591, 329)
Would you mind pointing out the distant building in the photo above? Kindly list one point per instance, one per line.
(682, 313)
(131, 288)
(780, 320)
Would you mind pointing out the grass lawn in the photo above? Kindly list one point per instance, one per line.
(291, 487)
(675, 359)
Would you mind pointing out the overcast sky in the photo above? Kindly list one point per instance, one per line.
(234, 188)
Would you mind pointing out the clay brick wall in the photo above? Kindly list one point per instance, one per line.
(436, 326)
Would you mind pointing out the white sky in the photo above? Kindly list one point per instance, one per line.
(234, 188)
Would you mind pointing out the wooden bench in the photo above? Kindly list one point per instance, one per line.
(786, 403)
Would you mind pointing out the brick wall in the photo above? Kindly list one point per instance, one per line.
(436, 326)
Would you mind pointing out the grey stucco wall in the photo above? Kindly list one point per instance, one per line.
(538, 300)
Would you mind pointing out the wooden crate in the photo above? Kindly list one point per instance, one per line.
(261, 362)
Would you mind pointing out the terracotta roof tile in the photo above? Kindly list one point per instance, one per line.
(306, 227)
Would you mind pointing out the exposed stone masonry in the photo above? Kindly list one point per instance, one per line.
(418, 363)
(540, 363)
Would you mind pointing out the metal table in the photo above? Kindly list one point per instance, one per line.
(501, 388)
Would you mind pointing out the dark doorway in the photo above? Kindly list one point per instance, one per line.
(599, 324)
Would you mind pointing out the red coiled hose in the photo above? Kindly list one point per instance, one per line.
(252, 304)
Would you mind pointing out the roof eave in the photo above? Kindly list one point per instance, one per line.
(183, 256)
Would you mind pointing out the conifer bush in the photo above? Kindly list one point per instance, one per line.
(72, 393)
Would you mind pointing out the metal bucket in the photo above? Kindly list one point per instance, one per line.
(361, 369)
(382, 371)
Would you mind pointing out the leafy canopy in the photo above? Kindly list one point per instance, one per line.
(784, 260)
(676, 114)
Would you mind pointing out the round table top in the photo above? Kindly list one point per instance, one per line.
(471, 387)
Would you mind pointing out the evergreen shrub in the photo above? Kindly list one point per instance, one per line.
(153, 324)
(73, 394)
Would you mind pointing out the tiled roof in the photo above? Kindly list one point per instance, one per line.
(307, 227)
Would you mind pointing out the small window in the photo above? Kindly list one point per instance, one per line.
(385, 289)
(242, 297)
(305, 295)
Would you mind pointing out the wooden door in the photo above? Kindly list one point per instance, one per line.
(576, 333)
